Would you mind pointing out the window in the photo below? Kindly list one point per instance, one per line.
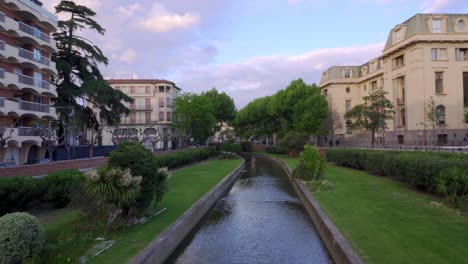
(348, 89)
(148, 103)
(37, 55)
(117, 88)
(462, 54)
(348, 127)
(133, 118)
(439, 82)
(373, 85)
(132, 89)
(161, 116)
(132, 105)
(347, 73)
(439, 54)
(168, 116)
(148, 117)
(325, 92)
(403, 118)
(168, 89)
(461, 24)
(399, 35)
(399, 61)
(161, 102)
(348, 105)
(365, 88)
(168, 102)
(440, 113)
(147, 89)
(436, 26)
(161, 89)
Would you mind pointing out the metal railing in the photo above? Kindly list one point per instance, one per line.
(33, 32)
(24, 79)
(428, 145)
(28, 131)
(34, 57)
(2, 73)
(2, 17)
(141, 107)
(36, 107)
(2, 45)
(2, 101)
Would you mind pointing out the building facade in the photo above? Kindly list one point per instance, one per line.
(425, 58)
(151, 113)
(26, 95)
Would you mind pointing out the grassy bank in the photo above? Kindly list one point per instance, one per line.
(186, 186)
(387, 222)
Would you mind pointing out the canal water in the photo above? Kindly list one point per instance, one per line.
(261, 220)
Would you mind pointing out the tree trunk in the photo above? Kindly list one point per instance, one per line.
(91, 151)
(110, 220)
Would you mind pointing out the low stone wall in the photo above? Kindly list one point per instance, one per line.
(339, 248)
(168, 241)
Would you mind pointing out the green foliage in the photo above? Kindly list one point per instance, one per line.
(452, 183)
(184, 157)
(311, 164)
(16, 193)
(21, 238)
(59, 185)
(373, 114)
(419, 169)
(227, 156)
(230, 147)
(276, 150)
(318, 186)
(466, 113)
(246, 146)
(79, 78)
(224, 109)
(140, 161)
(194, 117)
(293, 141)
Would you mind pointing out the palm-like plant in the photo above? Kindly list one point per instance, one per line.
(452, 183)
(115, 187)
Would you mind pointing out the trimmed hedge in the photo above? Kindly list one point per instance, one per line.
(58, 186)
(419, 169)
(230, 147)
(184, 157)
(276, 150)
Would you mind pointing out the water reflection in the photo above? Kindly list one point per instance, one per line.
(260, 221)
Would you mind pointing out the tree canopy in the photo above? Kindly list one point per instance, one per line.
(224, 109)
(79, 82)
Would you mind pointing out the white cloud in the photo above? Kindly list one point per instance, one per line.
(128, 56)
(437, 6)
(129, 10)
(162, 20)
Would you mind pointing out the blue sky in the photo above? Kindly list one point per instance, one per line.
(247, 48)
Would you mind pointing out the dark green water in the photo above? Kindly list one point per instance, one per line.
(261, 220)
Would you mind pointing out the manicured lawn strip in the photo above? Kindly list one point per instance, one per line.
(186, 186)
(387, 222)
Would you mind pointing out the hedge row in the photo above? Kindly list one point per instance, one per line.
(416, 168)
(56, 188)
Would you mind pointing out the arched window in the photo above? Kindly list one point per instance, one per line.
(348, 127)
(461, 24)
(440, 114)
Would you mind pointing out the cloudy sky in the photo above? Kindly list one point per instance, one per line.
(247, 48)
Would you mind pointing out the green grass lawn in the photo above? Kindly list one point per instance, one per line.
(387, 222)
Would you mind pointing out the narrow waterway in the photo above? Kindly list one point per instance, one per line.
(261, 220)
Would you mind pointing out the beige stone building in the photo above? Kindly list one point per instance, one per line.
(425, 57)
(26, 95)
(151, 111)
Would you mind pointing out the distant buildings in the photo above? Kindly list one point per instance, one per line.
(425, 57)
(151, 112)
(26, 95)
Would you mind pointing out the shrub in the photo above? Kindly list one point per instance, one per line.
(452, 183)
(59, 185)
(293, 141)
(230, 147)
(140, 161)
(226, 156)
(184, 157)
(246, 146)
(311, 164)
(21, 238)
(276, 150)
(16, 193)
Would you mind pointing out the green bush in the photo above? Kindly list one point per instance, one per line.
(246, 146)
(311, 164)
(293, 141)
(276, 150)
(59, 185)
(419, 169)
(184, 157)
(230, 147)
(452, 183)
(16, 193)
(21, 238)
(141, 162)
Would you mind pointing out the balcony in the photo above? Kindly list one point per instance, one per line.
(401, 101)
(34, 32)
(35, 107)
(2, 74)
(2, 102)
(141, 108)
(27, 58)
(2, 17)
(24, 79)
(34, 57)
(28, 83)
(28, 132)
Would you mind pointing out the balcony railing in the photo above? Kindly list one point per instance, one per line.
(2, 102)
(141, 107)
(401, 101)
(34, 57)
(2, 45)
(34, 32)
(24, 79)
(2, 74)
(28, 131)
(2, 17)
(36, 107)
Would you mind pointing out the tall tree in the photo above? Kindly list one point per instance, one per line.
(224, 109)
(79, 82)
(373, 114)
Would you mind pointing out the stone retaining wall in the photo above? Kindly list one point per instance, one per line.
(168, 241)
(338, 247)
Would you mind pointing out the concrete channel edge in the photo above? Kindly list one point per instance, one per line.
(339, 249)
(167, 242)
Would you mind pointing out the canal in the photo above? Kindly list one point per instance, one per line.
(261, 220)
